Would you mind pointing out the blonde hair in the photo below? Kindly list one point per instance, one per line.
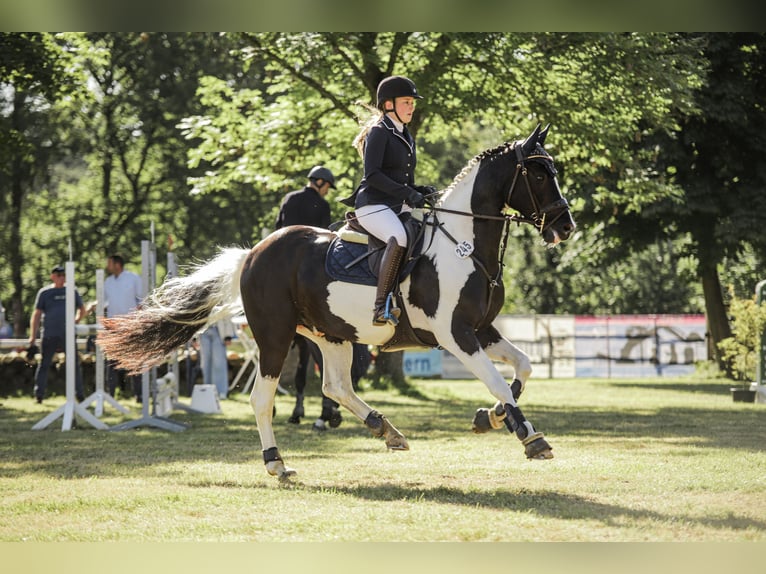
(373, 117)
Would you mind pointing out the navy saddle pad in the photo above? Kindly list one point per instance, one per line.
(339, 263)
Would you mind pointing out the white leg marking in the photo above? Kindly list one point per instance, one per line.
(506, 352)
(262, 402)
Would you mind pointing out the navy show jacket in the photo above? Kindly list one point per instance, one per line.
(389, 167)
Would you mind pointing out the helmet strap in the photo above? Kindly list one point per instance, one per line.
(401, 121)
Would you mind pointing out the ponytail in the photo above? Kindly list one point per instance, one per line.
(373, 117)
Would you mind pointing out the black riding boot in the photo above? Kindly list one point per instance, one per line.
(387, 280)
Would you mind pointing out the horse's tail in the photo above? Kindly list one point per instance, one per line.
(171, 315)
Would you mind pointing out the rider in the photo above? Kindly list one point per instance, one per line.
(388, 188)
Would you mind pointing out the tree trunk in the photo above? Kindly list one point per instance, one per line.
(18, 176)
(717, 318)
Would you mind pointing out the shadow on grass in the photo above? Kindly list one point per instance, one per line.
(717, 389)
(545, 504)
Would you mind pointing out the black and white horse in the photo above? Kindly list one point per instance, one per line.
(449, 298)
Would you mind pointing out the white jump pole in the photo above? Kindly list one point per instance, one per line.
(71, 407)
(100, 396)
(149, 378)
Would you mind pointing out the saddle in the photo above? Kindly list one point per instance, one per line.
(354, 257)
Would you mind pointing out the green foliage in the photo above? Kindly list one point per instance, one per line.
(740, 351)
(202, 134)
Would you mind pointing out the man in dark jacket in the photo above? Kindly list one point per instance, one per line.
(308, 206)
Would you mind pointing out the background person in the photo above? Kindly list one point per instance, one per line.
(123, 292)
(212, 354)
(50, 311)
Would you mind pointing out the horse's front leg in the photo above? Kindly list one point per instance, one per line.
(262, 402)
(337, 385)
(500, 349)
(480, 364)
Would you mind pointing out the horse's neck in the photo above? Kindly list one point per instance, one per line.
(458, 198)
(484, 237)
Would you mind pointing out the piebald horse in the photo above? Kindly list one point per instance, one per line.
(449, 298)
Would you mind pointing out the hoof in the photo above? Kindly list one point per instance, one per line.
(537, 448)
(394, 439)
(277, 468)
(487, 419)
(381, 427)
(298, 413)
(319, 425)
(335, 419)
(480, 423)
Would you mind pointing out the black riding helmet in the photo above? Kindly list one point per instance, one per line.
(321, 172)
(394, 87)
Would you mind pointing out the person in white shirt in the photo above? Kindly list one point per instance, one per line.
(123, 292)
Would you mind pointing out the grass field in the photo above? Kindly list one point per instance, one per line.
(635, 460)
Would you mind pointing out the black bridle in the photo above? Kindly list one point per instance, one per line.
(539, 216)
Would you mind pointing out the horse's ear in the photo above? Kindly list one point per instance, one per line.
(544, 134)
(530, 143)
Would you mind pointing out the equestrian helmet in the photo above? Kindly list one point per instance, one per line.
(396, 87)
(321, 172)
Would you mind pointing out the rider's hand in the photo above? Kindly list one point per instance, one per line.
(428, 191)
(415, 199)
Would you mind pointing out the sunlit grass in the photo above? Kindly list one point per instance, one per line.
(651, 459)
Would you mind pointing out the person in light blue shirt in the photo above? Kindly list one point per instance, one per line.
(215, 364)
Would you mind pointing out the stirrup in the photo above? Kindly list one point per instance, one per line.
(387, 314)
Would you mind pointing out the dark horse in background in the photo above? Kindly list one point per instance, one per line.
(449, 298)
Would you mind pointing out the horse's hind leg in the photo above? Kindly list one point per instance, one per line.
(337, 385)
(262, 402)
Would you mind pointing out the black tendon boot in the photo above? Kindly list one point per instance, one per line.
(385, 312)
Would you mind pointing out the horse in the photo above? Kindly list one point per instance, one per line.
(449, 298)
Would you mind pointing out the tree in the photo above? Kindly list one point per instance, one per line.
(715, 158)
(32, 75)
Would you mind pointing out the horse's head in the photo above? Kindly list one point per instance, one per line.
(534, 191)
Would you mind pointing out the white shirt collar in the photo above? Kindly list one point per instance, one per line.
(398, 125)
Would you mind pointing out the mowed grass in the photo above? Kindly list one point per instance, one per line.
(635, 460)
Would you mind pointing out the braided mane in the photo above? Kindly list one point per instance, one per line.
(491, 152)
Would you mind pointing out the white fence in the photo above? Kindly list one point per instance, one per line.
(567, 346)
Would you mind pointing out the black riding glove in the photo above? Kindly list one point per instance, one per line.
(428, 191)
(415, 199)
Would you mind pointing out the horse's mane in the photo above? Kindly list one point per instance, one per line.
(503, 147)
